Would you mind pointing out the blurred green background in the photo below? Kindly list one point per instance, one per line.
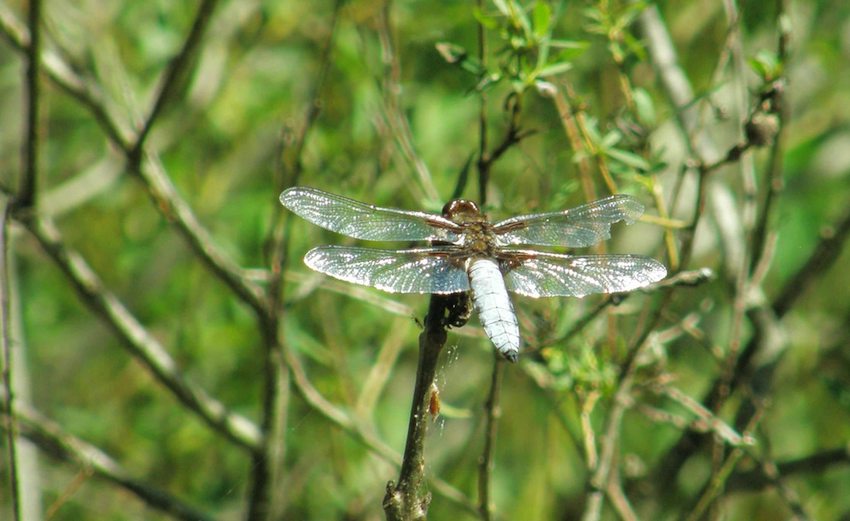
(396, 123)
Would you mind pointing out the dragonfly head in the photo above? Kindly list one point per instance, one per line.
(462, 211)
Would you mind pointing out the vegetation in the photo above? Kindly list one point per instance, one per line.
(168, 355)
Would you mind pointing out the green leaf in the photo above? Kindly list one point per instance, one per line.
(521, 19)
(644, 107)
(628, 158)
(450, 52)
(631, 13)
(485, 20)
(767, 65)
(457, 55)
(553, 69)
(542, 16)
(502, 7)
(569, 44)
(611, 138)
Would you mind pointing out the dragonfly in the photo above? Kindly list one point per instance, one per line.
(468, 253)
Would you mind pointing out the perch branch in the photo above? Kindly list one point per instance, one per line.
(408, 499)
(349, 425)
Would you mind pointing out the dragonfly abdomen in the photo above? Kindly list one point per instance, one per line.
(494, 306)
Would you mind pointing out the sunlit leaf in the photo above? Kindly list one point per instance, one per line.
(554, 68)
(542, 15)
(628, 158)
(644, 106)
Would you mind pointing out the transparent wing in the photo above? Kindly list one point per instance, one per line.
(422, 270)
(577, 227)
(365, 221)
(537, 274)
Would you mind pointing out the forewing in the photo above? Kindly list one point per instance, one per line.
(539, 274)
(577, 227)
(365, 221)
(422, 270)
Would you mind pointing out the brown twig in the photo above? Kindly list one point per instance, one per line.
(573, 132)
(407, 499)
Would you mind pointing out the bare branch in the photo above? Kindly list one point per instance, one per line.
(5, 328)
(140, 343)
(29, 180)
(178, 69)
(64, 76)
(816, 463)
(178, 212)
(351, 426)
(492, 412)
(166, 199)
(407, 499)
(823, 256)
(65, 447)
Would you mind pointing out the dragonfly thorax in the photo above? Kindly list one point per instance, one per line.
(477, 234)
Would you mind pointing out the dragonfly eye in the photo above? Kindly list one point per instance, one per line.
(461, 210)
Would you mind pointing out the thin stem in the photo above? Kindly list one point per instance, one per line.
(484, 159)
(392, 105)
(27, 192)
(177, 71)
(492, 412)
(266, 500)
(348, 424)
(5, 328)
(817, 463)
(177, 211)
(573, 133)
(166, 199)
(66, 78)
(408, 499)
(603, 472)
(775, 175)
